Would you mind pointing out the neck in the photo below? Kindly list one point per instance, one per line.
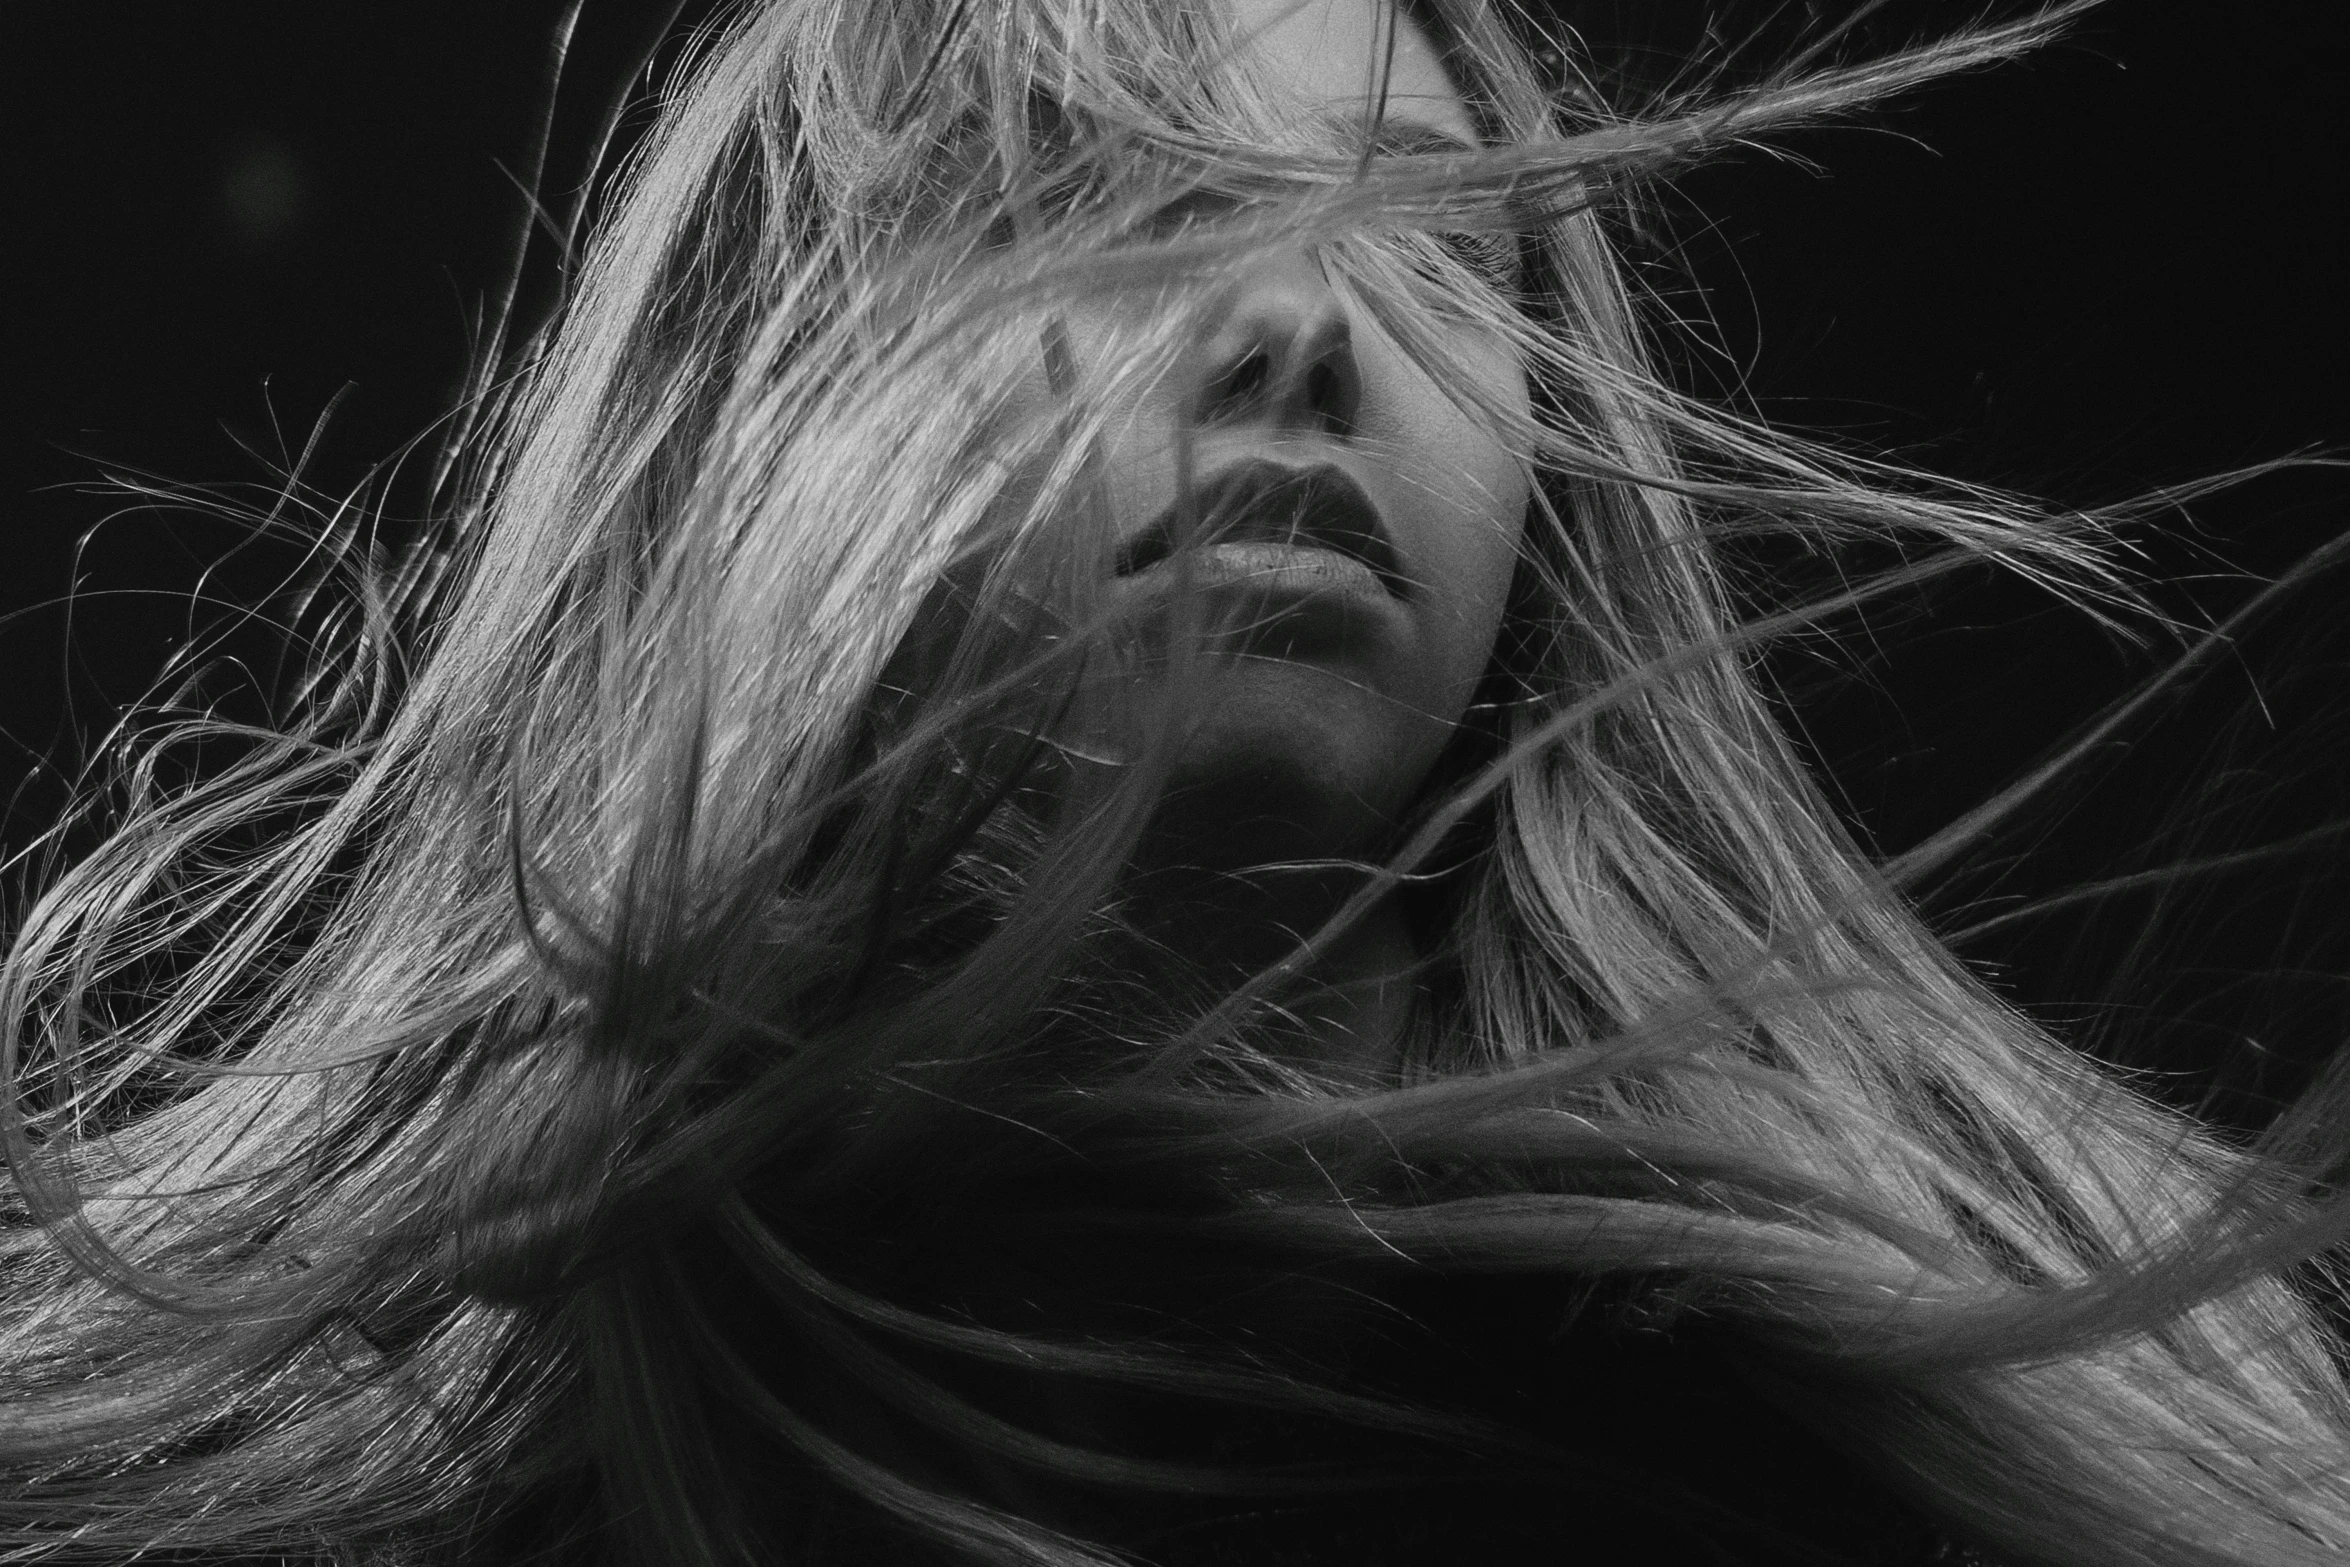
(1358, 1003)
(1348, 1010)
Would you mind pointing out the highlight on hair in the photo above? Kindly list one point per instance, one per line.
(660, 1049)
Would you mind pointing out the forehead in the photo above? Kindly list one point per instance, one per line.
(1330, 53)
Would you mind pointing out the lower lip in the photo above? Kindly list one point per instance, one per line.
(1282, 570)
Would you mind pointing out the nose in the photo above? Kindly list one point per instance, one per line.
(1283, 355)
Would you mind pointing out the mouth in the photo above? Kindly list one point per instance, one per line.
(1268, 515)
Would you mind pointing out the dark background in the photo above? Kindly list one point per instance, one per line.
(2113, 267)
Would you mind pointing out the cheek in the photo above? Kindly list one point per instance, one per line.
(1484, 563)
(1474, 496)
(1489, 539)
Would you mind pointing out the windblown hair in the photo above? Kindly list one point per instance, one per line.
(657, 1061)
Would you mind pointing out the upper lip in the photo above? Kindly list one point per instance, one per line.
(1265, 502)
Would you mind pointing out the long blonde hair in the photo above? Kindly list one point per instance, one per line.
(669, 896)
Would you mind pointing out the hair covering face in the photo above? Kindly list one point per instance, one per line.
(665, 1037)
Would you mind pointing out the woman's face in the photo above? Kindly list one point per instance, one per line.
(1359, 528)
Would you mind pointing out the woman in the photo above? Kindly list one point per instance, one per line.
(1069, 859)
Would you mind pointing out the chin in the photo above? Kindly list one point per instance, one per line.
(1297, 766)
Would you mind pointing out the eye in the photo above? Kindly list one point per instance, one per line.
(1496, 256)
(1172, 216)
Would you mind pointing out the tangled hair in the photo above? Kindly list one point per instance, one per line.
(657, 1059)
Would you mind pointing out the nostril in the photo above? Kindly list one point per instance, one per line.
(1298, 374)
(1326, 396)
(1245, 380)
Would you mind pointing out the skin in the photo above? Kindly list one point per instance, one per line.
(1320, 724)
(1333, 728)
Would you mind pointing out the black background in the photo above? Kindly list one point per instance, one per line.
(2112, 267)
